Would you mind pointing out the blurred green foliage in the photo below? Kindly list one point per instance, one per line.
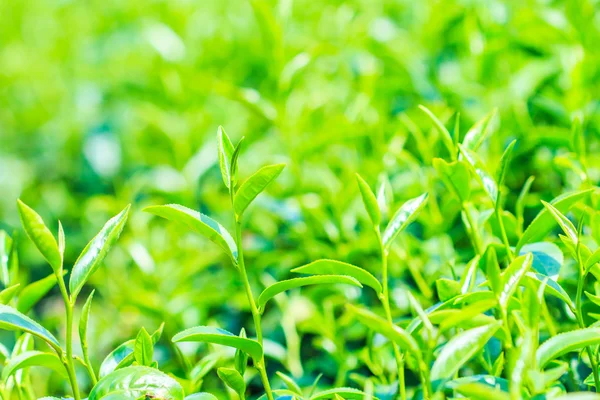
(103, 103)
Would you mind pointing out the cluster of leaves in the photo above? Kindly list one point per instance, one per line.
(491, 334)
(124, 108)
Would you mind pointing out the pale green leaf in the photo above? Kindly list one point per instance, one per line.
(282, 286)
(96, 250)
(333, 267)
(199, 223)
(254, 185)
(209, 334)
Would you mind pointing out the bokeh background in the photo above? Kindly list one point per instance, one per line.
(104, 103)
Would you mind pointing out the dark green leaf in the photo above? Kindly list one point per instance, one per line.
(547, 258)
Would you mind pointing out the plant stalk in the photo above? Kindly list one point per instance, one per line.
(503, 235)
(68, 358)
(579, 316)
(259, 364)
(385, 301)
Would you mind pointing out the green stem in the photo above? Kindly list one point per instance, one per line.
(579, 316)
(503, 235)
(385, 301)
(259, 364)
(68, 358)
(87, 363)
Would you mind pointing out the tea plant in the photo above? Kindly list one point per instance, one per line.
(500, 326)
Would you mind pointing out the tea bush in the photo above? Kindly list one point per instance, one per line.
(406, 207)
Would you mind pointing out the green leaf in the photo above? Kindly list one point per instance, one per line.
(344, 392)
(565, 224)
(40, 235)
(83, 320)
(394, 333)
(455, 176)
(199, 223)
(143, 349)
(447, 288)
(233, 379)
(547, 258)
(552, 287)
(96, 250)
(504, 162)
(592, 260)
(578, 396)
(479, 391)
(405, 215)
(137, 381)
(460, 349)
(492, 270)
(333, 267)
(34, 292)
(566, 342)
(9, 293)
(289, 382)
(120, 357)
(209, 334)
(201, 396)
(254, 185)
(578, 139)
(512, 276)
(446, 137)
(6, 248)
(241, 357)
(593, 298)
(478, 132)
(481, 173)
(13, 320)
(544, 221)
(282, 286)
(225, 149)
(369, 201)
(33, 359)
(61, 240)
(234, 160)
